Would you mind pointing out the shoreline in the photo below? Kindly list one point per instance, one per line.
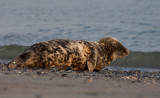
(41, 83)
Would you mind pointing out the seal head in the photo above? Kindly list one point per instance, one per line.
(110, 49)
(113, 46)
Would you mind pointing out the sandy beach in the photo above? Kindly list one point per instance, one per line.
(135, 23)
(40, 83)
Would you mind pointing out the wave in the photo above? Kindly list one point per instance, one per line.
(9, 52)
(139, 59)
(134, 59)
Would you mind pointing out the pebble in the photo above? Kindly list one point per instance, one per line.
(131, 75)
(64, 75)
(40, 73)
(90, 80)
(19, 72)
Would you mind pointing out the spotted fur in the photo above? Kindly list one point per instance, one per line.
(77, 54)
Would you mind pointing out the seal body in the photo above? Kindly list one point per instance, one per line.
(77, 54)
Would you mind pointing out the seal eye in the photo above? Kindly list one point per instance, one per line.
(115, 44)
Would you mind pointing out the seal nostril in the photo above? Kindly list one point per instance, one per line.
(126, 51)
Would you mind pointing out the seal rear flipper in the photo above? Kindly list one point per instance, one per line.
(16, 63)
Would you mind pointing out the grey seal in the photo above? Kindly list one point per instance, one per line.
(77, 54)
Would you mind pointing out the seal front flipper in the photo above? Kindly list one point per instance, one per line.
(91, 66)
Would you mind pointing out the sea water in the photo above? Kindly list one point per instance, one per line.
(136, 23)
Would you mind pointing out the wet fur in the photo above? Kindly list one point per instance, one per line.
(77, 54)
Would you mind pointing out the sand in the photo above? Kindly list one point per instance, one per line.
(40, 83)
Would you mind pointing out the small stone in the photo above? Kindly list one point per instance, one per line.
(42, 72)
(38, 96)
(64, 75)
(19, 72)
(90, 80)
(28, 74)
(53, 69)
(134, 78)
(39, 73)
(69, 68)
(130, 77)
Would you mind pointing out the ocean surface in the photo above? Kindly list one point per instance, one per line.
(136, 23)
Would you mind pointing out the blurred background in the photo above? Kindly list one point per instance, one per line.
(136, 23)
